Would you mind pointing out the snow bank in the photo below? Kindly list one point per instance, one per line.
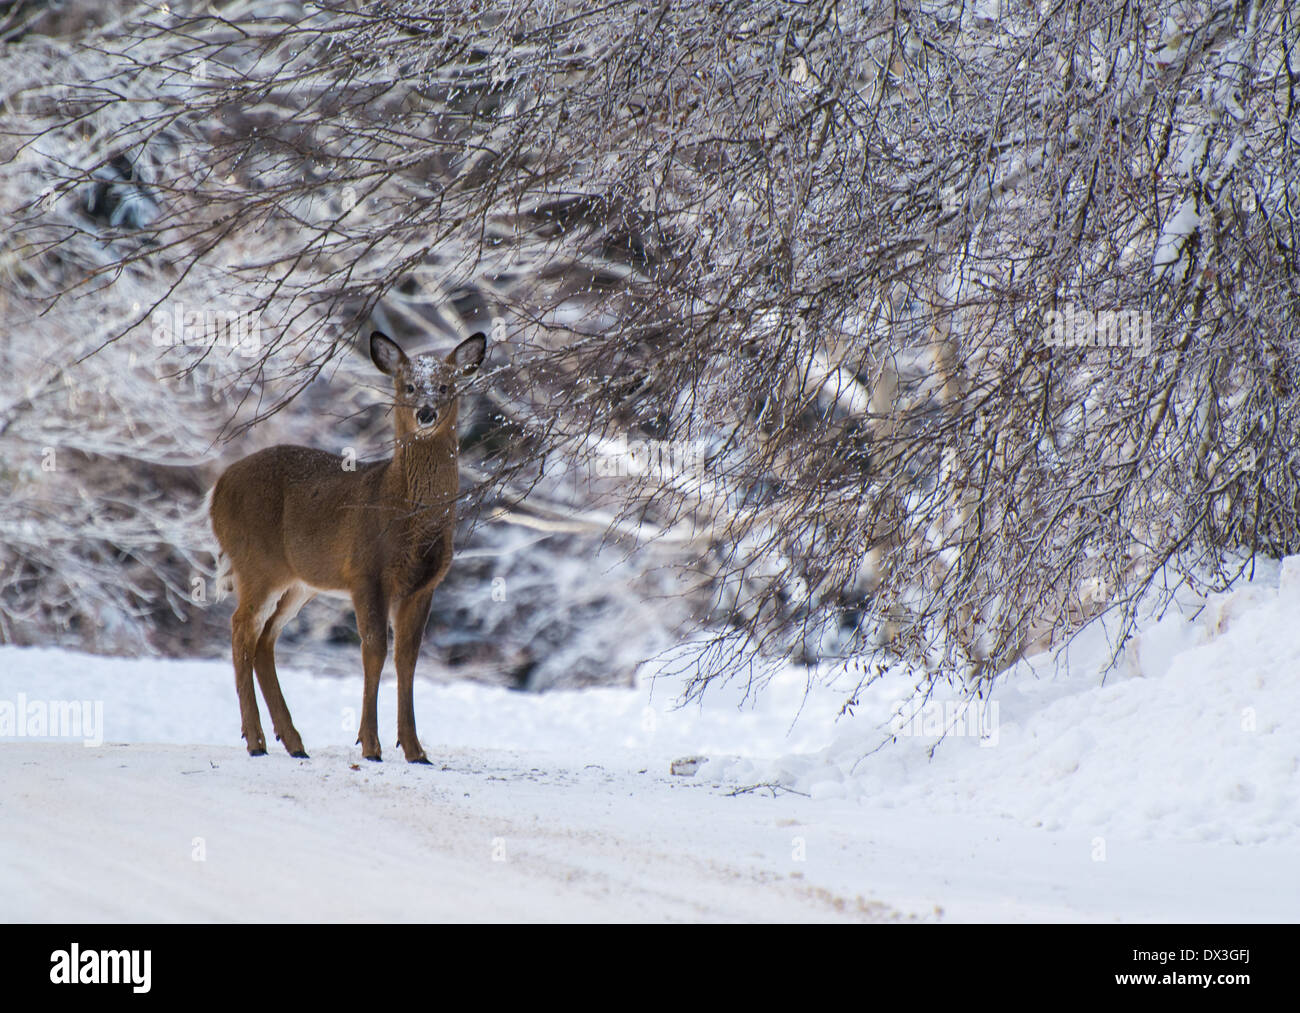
(1194, 736)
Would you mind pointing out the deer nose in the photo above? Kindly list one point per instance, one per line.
(425, 415)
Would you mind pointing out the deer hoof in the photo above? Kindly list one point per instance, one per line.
(301, 754)
(253, 751)
(420, 759)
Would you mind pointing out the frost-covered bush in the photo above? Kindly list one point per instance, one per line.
(948, 330)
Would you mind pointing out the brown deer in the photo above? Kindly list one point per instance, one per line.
(293, 522)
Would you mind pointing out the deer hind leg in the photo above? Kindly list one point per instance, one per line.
(372, 625)
(411, 617)
(264, 663)
(255, 607)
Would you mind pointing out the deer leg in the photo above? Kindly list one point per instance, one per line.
(264, 664)
(372, 625)
(245, 627)
(412, 616)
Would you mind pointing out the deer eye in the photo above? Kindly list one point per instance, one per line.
(410, 388)
(442, 389)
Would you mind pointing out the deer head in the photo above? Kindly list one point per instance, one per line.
(426, 387)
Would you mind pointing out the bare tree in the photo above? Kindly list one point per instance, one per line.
(947, 325)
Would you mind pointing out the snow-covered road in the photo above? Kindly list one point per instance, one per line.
(156, 832)
(168, 832)
(1170, 791)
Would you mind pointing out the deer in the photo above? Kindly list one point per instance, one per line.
(292, 522)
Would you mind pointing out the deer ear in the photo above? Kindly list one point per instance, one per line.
(468, 355)
(385, 353)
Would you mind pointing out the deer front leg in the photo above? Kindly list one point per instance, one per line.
(372, 625)
(411, 619)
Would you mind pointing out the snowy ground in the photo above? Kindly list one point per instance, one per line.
(1170, 792)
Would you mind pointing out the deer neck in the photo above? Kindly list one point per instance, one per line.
(425, 474)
